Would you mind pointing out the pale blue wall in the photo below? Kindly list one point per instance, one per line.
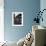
(30, 7)
(43, 6)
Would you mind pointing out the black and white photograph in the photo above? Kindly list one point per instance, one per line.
(17, 18)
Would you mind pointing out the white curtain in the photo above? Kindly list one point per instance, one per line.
(1, 20)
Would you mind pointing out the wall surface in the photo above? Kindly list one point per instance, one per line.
(43, 6)
(29, 8)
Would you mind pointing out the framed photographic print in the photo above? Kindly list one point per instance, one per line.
(17, 18)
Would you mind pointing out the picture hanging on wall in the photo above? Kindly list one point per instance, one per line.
(17, 18)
